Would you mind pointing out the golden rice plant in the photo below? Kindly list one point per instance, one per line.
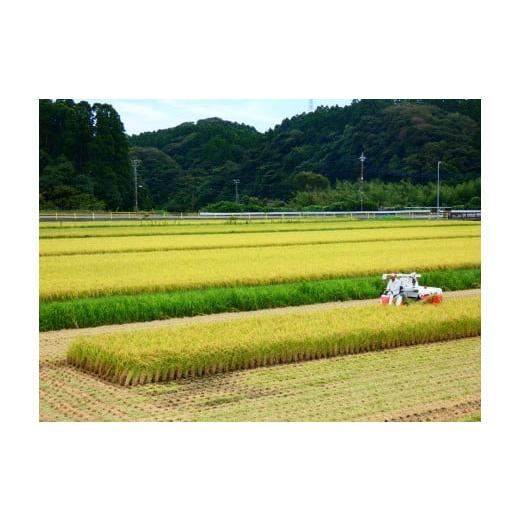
(63, 277)
(195, 350)
(72, 246)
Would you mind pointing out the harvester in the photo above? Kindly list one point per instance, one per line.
(411, 291)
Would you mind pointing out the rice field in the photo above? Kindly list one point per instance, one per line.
(113, 229)
(104, 310)
(329, 361)
(172, 353)
(74, 276)
(97, 245)
(432, 382)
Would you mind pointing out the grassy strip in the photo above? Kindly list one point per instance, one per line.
(91, 312)
(174, 352)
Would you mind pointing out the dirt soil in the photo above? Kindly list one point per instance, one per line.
(438, 382)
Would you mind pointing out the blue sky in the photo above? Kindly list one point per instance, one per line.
(140, 115)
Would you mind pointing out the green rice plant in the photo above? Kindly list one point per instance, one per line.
(98, 245)
(194, 350)
(65, 277)
(91, 312)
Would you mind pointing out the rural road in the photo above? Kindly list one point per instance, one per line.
(60, 337)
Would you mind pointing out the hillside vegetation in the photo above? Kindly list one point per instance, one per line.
(309, 161)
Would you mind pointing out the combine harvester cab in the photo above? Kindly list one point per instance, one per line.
(412, 291)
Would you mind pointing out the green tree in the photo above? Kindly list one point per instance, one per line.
(109, 164)
(309, 181)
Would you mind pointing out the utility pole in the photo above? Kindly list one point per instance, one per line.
(362, 159)
(236, 182)
(438, 186)
(135, 164)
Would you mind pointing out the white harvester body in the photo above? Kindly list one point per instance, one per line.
(411, 289)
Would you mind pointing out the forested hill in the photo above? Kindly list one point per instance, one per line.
(194, 164)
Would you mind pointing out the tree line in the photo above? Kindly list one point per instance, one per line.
(372, 195)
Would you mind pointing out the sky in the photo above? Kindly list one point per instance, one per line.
(141, 115)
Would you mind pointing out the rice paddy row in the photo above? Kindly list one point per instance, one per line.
(196, 228)
(101, 245)
(194, 350)
(91, 312)
(65, 277)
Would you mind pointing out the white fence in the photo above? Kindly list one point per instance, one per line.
(427, 214)
(276, 215)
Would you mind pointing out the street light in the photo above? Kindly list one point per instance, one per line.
(438, 186)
